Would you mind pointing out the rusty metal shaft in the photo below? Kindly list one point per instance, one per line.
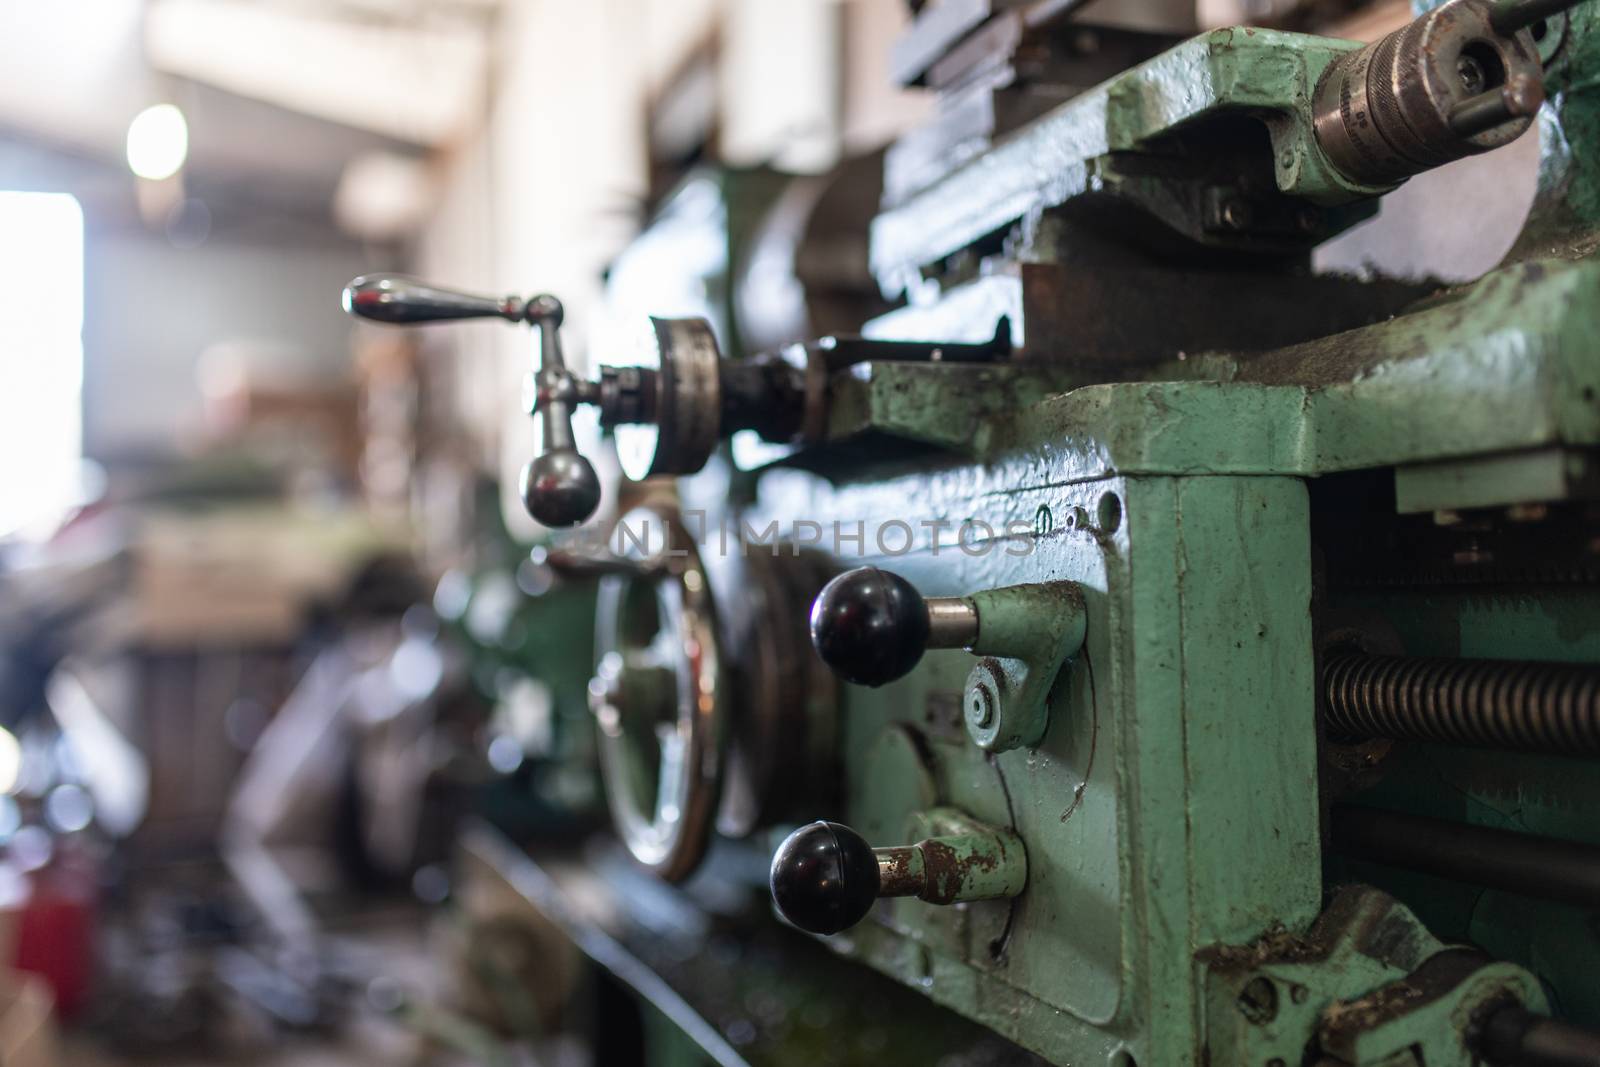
(1533, 707)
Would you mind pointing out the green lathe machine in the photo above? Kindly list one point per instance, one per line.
(1206, 653)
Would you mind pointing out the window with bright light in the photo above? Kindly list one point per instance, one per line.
(41, 355)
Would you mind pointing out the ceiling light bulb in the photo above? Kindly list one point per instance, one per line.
(10, 761)
(158, 142)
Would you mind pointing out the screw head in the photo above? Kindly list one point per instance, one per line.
(980, 706)
(1236, 214)
(1258, 1000)
(982, 701)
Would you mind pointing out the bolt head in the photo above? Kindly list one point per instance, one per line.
(1258, 1000)
(1236, 214)
(982, 700)
(980, 706)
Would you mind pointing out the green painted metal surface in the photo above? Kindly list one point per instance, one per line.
(963, 860)
(1177, 907)
(1535, 475)
(1071, 151)
(1502, 365)
(1171, 811)
(1165, 761)
(1263, 1000)
(1026, 633)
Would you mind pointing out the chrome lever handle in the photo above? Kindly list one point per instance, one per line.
(401, 301)
(559, 486)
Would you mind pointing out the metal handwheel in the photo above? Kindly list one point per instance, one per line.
(657, 694)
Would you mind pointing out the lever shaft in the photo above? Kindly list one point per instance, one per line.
(1509, 16)
(559, 486)
(1517, 98)
(402, 301)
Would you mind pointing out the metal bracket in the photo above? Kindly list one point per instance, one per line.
(1026, 633)
(960, 859)
(1368, 980)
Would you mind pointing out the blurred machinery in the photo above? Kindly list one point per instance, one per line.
(1206, 662)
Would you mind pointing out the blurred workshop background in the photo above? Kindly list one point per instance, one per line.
(260, 565)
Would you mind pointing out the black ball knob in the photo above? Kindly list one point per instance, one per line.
(824, 878)
(870, 626)
(560, 488)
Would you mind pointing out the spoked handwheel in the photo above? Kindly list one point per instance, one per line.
(657, 695)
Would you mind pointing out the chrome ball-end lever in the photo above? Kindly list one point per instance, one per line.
(559, 486)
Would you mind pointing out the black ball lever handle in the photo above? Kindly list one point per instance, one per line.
(870, 626)
(559, 486)
(824, 878)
